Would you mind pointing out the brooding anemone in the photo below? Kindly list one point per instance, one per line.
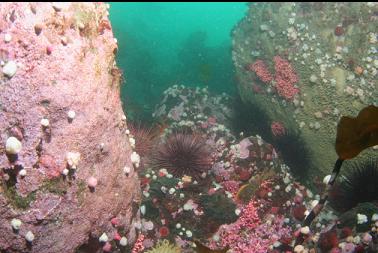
(183, 154)
(359, 185)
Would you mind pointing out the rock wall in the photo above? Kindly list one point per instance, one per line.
(63, 178)
(304, 65)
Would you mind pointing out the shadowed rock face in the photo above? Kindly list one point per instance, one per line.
(64, 61)
(306, 65)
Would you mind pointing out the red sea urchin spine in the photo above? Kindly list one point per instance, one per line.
(183, 154)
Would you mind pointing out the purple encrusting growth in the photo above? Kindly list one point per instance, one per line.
(59, 102)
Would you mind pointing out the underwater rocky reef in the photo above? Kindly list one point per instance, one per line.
(246, 199)
(206, 176)
(306, 64)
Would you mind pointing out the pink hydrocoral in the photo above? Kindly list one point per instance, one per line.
(231, 186)
(249, 218)
(138, 246)
(277, 128)
(285, 78)
(257, 238)
(261, 71)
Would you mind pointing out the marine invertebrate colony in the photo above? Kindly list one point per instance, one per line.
(183, 154)
(261, 70)
(285, 78)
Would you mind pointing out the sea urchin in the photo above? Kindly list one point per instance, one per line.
(144, 137)
(183, 154)
(359, 185)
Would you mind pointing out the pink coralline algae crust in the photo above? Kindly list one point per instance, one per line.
(277, 128)
(261, 70)
(65, 57)
(285, 78)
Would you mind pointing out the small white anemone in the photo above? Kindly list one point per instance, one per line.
(45, 122)
(13, 146)
(73, 159)
(305, 230)
(22, 172)
(16, 224)
(103, 238)
(132, 142)
(143, 209)
(135, 158)
(127, 170)
(361, 218)
(65, 172)
(71, 114)
(123, 241)
(326, 179)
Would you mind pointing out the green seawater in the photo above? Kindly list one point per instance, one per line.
(162, 44)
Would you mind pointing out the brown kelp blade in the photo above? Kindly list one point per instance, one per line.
(246, 192)
(357, 134)
(203, 249)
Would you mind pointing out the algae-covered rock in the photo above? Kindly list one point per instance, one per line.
(59, 98)
(305, 65)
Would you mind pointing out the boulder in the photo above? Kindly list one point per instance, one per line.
(60, 98)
